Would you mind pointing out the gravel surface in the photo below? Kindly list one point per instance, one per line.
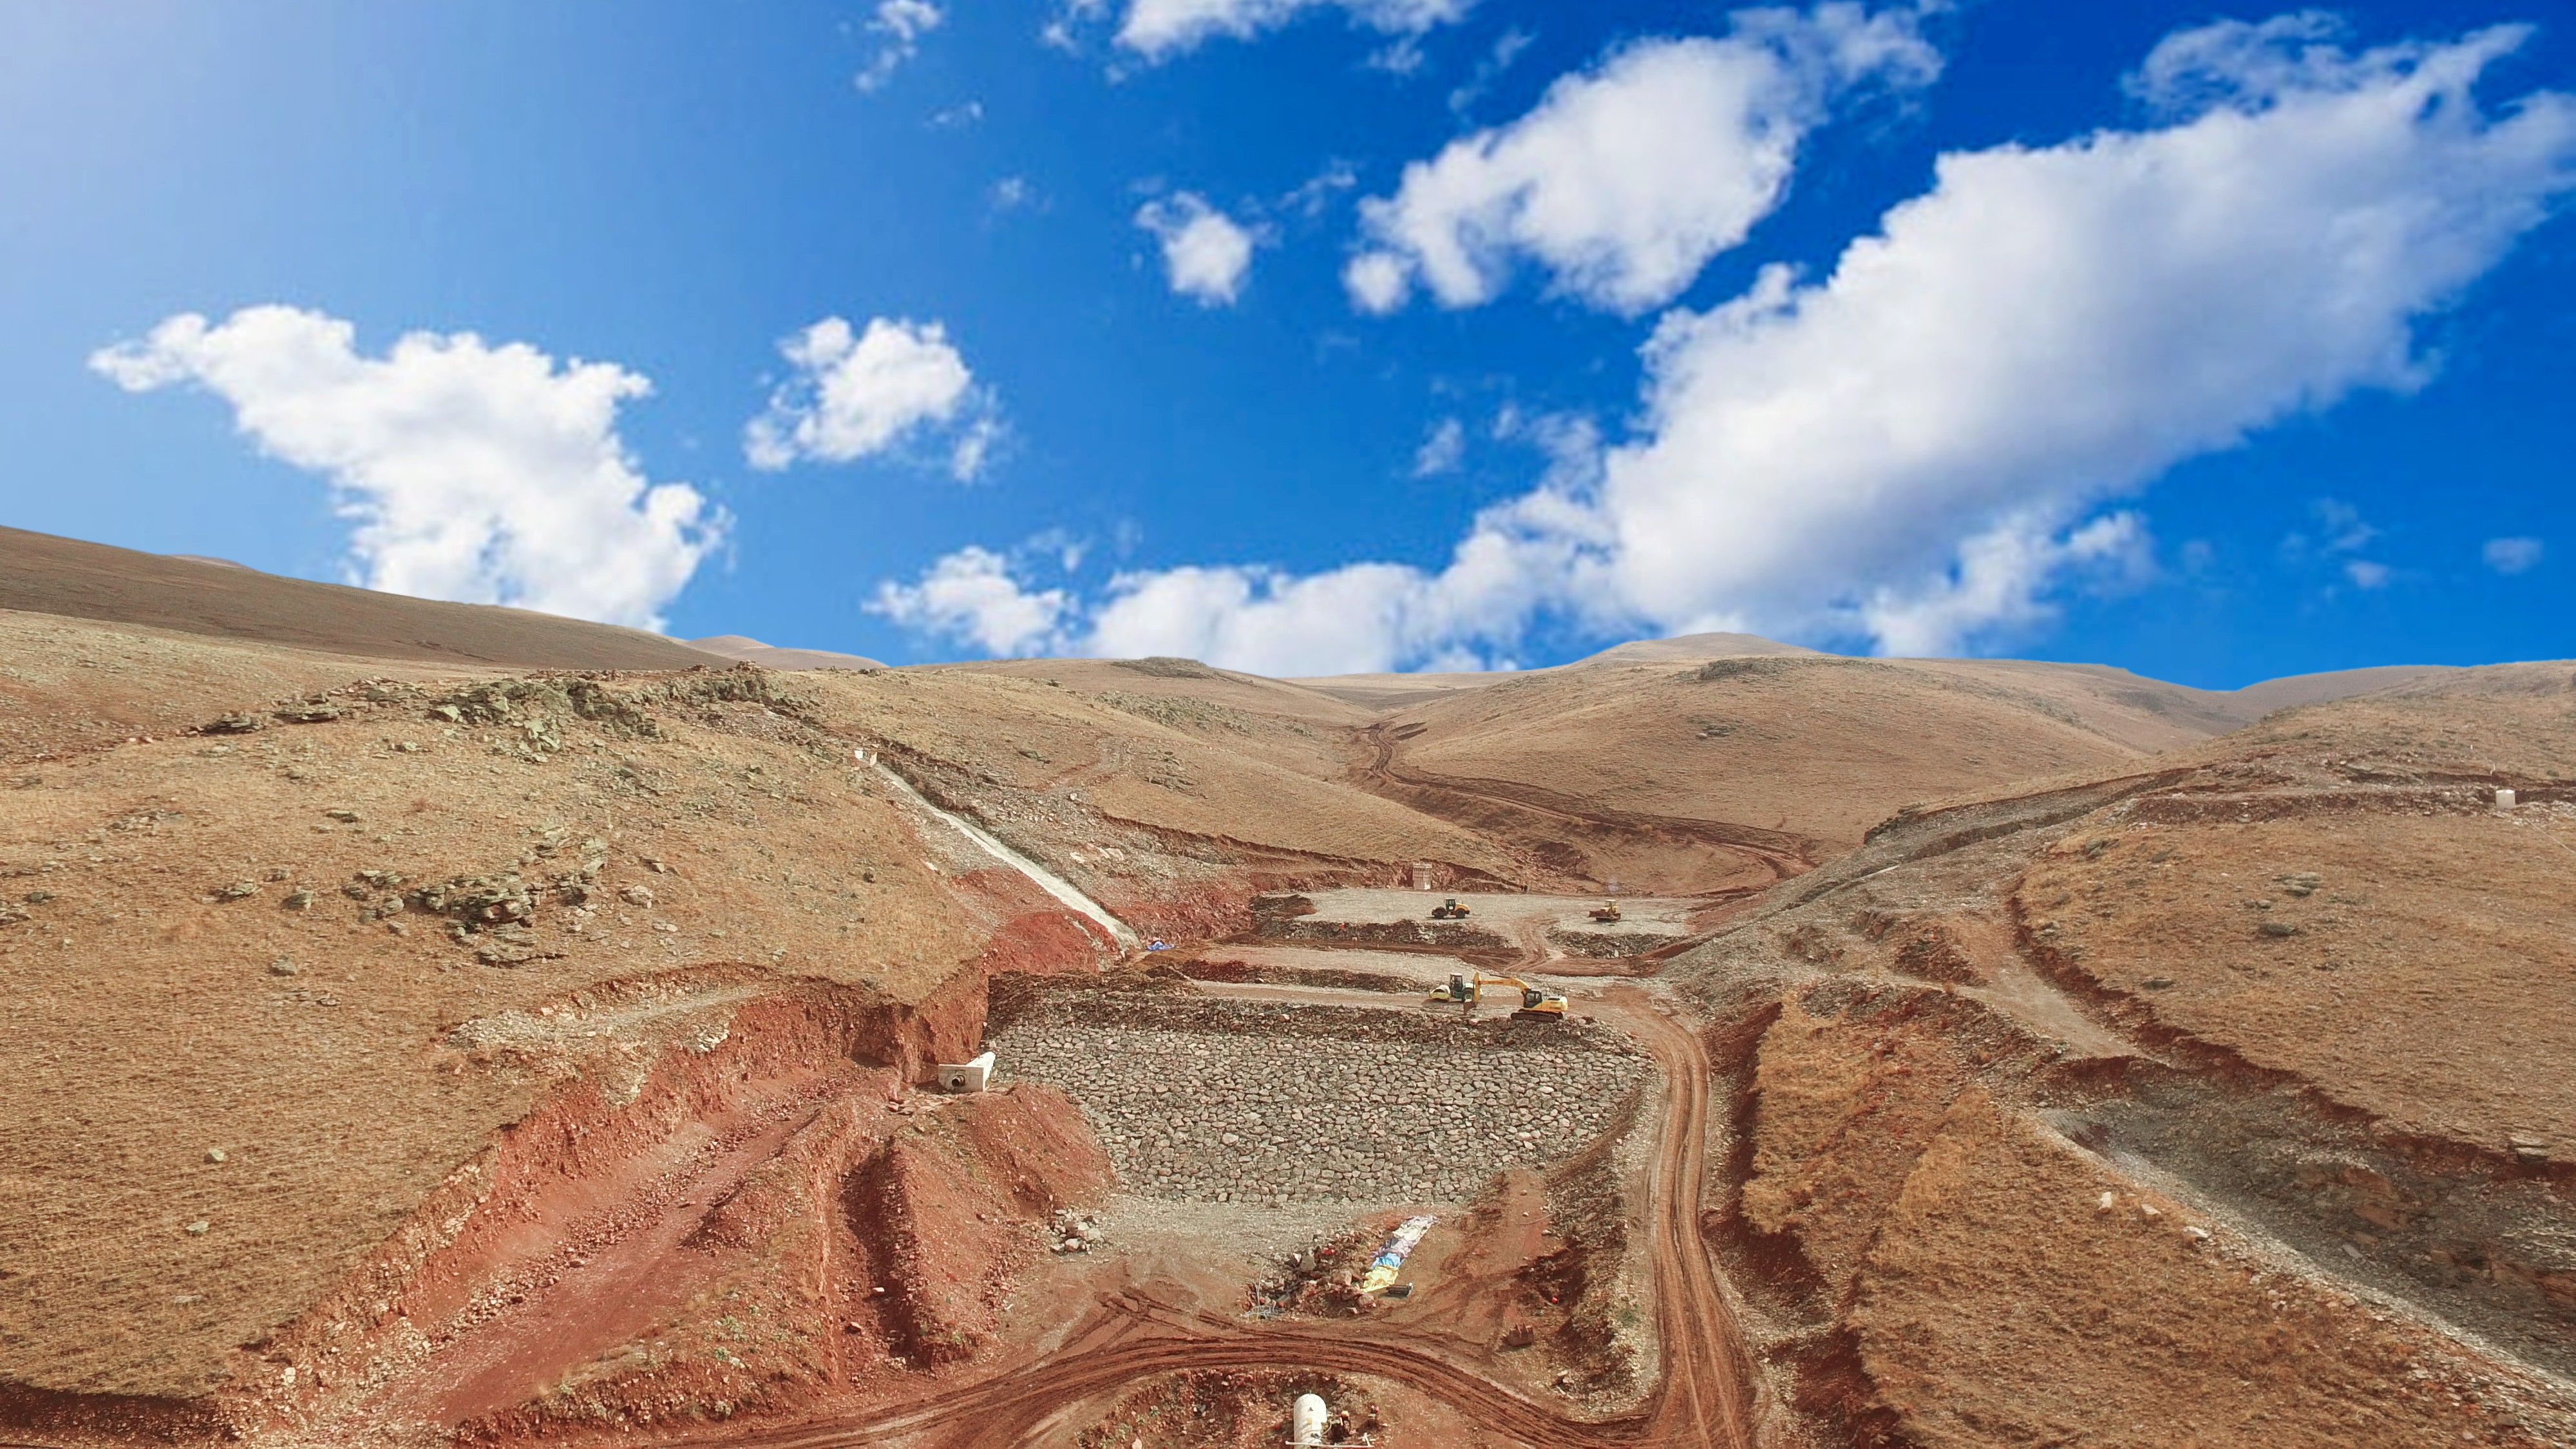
(1223, 1117)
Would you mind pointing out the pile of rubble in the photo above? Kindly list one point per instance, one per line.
(1073, 1231)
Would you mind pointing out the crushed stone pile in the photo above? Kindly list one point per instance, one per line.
(1207, 1116)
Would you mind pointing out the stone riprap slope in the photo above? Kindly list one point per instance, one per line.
(1229, 1102)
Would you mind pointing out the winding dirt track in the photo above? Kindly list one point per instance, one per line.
(1706, 1396)
(1510, 808)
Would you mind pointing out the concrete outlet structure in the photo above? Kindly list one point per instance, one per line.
(966, 1076)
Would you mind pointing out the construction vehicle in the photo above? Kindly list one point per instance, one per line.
(1469, 991)
(1449, 910)
(1606, 911)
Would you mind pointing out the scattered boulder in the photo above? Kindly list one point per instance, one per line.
(2279, 928)
(636, 895)
(238, 890)
(479, 900)
(308, 712)
(233, 724)
(1281, 906)
(297, 900)
(1072, 1230)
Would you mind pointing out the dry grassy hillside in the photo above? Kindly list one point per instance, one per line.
(419, 1052)
(1815, 749)
(2214, 1101)
(1173, 808)
(290, 977)
(271, 987)
(43, 574)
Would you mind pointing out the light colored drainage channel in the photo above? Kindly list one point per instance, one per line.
(1047, 880)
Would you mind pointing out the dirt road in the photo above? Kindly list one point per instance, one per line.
(1582, 841)
(1707, 1396)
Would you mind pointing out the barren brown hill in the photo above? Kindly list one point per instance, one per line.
(1184, 679)
(412, 1053)
(745, 650)
(2211, 1100)
(311, 987)
(43, 574)
(1797, 755)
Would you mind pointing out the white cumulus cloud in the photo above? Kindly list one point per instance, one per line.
(1157, 29)
(859, 394)
(1623, 182)
(972, 596)
(473, 472)
(1915, 447)
(2052, 326)
(1206, 254)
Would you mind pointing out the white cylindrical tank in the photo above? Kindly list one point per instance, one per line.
(2504, 799)
(1306, 1422)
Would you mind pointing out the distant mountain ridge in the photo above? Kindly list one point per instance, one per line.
(45, 574)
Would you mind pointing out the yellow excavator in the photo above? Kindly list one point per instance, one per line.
(1468, 991)
(1606, 911)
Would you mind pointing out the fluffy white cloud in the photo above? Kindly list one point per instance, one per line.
(1912, 448)
(2052, 326)
(475, 473)
(2513, 555)
(857, 395)
(1998, 581)
(1160, 28)
(1377, 281)
(1623, 182)
(902, 23)
(972, 596)
(1526, 555)
(1206, 254)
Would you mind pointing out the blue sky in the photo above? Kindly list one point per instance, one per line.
(1318, 336)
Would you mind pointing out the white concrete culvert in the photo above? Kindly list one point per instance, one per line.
(1045, 879)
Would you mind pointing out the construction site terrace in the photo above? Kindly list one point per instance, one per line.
(480, 1028)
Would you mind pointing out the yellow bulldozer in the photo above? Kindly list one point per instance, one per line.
(1449, 910)
(1606, 911)
(1468, 991)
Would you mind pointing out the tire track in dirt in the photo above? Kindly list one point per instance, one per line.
(1707, 1396)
